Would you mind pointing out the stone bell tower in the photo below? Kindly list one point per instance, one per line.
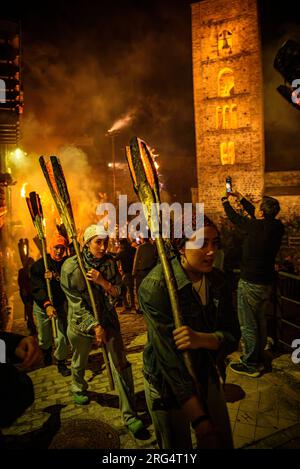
(228, 99)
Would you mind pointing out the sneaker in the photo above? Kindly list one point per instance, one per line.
(62, 368)
(81, 398)
(135, 426)
(241, 369)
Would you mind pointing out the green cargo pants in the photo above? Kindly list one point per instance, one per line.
(121, 369)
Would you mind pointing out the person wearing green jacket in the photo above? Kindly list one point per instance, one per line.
(83, 327)
(210, 332)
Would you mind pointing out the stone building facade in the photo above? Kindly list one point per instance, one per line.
(228, 99)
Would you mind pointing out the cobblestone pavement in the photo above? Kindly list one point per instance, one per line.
(268, 406)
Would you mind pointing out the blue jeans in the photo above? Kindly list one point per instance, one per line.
(253, 300)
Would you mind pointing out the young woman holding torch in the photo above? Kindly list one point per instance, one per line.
(175, 401)
(83, 326)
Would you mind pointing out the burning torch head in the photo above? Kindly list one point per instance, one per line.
(57, 247)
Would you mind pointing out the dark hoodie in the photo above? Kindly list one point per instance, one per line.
(260, 246)
(38, 282)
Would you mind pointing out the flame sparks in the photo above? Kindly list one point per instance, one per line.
(154, 157)
(121, 123)
(23, 190)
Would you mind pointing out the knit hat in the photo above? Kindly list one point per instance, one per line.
(92, 231)
(57, 240)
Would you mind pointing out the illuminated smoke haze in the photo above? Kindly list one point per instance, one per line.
(89, 65)
(82, 189)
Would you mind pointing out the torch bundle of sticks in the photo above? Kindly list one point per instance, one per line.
(146, 185)
(57, 184)
(36, 212)
(23, 246)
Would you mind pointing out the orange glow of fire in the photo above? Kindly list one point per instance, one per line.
(23, 190)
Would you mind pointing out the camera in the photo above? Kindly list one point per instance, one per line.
(228, 185)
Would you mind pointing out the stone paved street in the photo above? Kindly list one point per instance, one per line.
(271, 403)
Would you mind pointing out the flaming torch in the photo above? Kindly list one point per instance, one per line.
(23, 246)
(116, 127)
(36, 212)
(23, 190)
(146, 185)
(122, 122)
(57, 184)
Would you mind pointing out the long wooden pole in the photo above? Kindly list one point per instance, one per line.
(69, 222)
(49, 291)
(145, 181)
(35, 210)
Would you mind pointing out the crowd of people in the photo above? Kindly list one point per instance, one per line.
(177, 398)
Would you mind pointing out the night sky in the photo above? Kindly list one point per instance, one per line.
(89, 63)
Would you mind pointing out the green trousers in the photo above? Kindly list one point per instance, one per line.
(121, 369)
(45, 331)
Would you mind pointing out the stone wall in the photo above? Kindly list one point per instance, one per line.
(284, 186)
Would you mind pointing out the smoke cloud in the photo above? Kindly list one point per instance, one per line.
(86, 71)
(83, 193)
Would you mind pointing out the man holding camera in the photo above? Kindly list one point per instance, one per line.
(261, 244)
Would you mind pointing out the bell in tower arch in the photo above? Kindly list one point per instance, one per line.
(225, 42)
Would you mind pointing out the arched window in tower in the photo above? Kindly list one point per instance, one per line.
(226, 117)
(227, 153)
(231, 152)
(225, 82)
(233, 119)
(225, 42)
(219, 118)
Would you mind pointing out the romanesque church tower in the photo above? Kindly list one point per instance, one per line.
(228, 99)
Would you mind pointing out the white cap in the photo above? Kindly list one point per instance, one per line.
(94, 230)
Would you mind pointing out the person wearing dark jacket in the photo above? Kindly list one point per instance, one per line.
(26, 295)
(44, 310)
(173, 398)
(144, 261)
(261, 244)
(16, 390)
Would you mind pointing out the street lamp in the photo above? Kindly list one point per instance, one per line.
(112, 134)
